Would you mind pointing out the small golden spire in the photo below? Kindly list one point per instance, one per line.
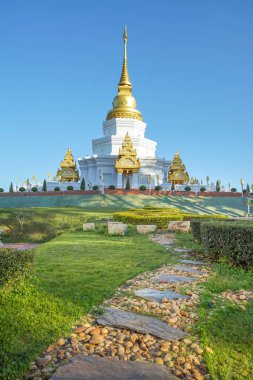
(125, 79)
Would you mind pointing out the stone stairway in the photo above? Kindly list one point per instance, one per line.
(140, 331)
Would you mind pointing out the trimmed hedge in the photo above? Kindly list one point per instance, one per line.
(157, 215)
(13, 263)
(233, 241)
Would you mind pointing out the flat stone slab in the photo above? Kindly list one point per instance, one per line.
(140, 323)
(172, 278)
(19, 246)
(158, 295)
(192, 262)
(182, 250)
(97, 368)
(187, 269)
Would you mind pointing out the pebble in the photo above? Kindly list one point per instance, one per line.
(43, 361)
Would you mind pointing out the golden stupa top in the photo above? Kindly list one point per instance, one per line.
(68, 161)
(127, 161)
(177, 173)
(124, 104)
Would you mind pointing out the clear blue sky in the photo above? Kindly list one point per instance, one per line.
(190, 61)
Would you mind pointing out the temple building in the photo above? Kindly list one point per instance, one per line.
(177, 171)
(68, 171)
(123, 153)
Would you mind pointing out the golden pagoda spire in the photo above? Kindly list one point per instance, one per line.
(125, 79)
(127, 161)
(68, 171)
(177, 173)
(124, 104)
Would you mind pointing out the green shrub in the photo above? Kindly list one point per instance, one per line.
(244, 191)
(232, 241)
(128, 184)
(187, 188)
(70, 188)
(143, 188)
(158, 188)
(158, 215)
(57, 188)
(34, 189)
(82, 186)
(11, 188)
(234, 190)
(22, 189)
(111, 187)
(195, 227)
(95, 187)
(1, 190)
(44, 186)
(13, 263)
(202, 189)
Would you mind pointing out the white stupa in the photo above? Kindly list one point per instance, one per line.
(124, 152)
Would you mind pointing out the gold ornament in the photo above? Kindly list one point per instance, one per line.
(177, 173)
(127, 161)
(124, 104)
(68, 171)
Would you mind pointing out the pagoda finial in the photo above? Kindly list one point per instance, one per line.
(124, 104)
(125, 79)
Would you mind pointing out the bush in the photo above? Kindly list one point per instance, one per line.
(70, 188)
(44, 186)
(187, 188)
(234, 190)
(111, 187)
(143, 188)
(203, 189)
(127, 184)
(22, 189)
(1, 190)
(34, 189)
(233, 241)
(13, 263)
(57, 188)
(158, 188)
(82, 186)
(95, 187)
(11, 188)
(244, 191)
(157, 215)
(195, 227)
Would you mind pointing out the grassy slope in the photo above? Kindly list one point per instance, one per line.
(223, 326)
(225, 205)
(74, 273)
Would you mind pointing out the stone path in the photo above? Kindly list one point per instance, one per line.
(94, 368)
(172, 278)
(192, 262)
(149, 325)
(158, 295)
(140, 323)
(188, 269)
(19, 246)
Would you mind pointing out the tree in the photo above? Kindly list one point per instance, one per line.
(11, 188)
(172, 186)
(44, 186)
(207, 180)
(16, 220)
(248, 188)
(82, 187)
(217, 186)
(128, 184)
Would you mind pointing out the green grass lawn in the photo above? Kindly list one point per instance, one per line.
(223, 326)
(43, 224)
(74, 273)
